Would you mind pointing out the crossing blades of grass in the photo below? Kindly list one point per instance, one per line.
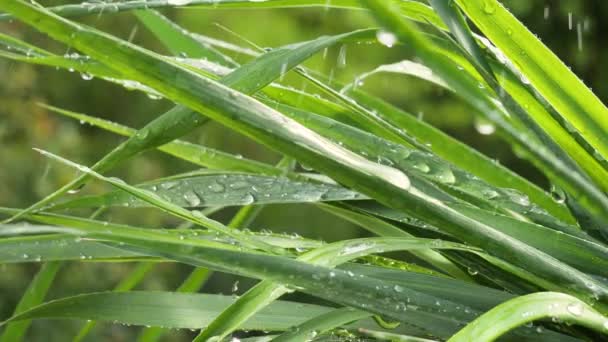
(543, 69)
(468, 88)
(253, 119)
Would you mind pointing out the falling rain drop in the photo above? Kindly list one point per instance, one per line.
(342, 57)
(484, 127)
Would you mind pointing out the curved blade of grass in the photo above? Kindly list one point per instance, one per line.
(320, 324)
(575, 183)
(562, 89)
(204, 189)
(524, 309)
(34, 294)
(253, 119)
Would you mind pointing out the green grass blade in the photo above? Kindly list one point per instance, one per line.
(34, 295)
(524, 309)
(562, 89)
(320, 324)
(211, 189)
(127, 284)
(179, 310)
(56, 247)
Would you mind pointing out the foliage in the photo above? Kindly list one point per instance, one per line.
(462, 249)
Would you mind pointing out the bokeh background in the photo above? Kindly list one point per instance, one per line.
(26, 177)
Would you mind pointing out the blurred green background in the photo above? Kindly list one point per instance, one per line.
(25, 176)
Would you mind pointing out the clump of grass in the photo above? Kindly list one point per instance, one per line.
(499, 252)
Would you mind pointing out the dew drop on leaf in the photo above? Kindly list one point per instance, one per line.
(575, 308)
(386, 38)
(192, 199)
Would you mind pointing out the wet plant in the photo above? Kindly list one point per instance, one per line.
(492, 254)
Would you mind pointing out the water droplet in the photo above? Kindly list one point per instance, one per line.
(489, 193)
(398, 288)
(489, 7)
(422, 167)
(192, 198)
(247, 199)
(446, 176)
(575, 308)
(86, 76)
(235, 286)
(472, 271)
(558, 194)
(216, 187)
(25, 256)
(484, 127)
(169, 185)
(239, 184)
(178, 2)
(386, 38)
